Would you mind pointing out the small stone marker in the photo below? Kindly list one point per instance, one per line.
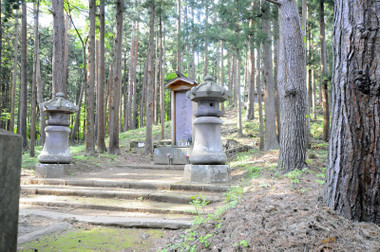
(10, 169)
(207, 160)
(55, 157)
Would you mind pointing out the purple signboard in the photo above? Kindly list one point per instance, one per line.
(183, 115)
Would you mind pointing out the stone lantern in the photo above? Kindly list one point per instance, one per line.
(208, 160)
(55, 157)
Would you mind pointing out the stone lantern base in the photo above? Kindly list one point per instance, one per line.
(52, 170)
(207, 173)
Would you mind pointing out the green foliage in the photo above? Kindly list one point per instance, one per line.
(203, 239)
(199, 202)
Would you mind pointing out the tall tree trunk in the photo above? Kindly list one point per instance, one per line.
(66, 53)
(24, 83)
(124, 115)
(251, 86)
(205, 72)
(222, 72)
(131, 77)
(233, 80)
(101, 147)
(259, 96)
(276, 35)
(325, 99)
(143, 95)
(58, 71)
(134, 96)
(238, 95)
(150, 83)
(162, 82)
(114, 113)
(179, 60)
(270, 138)
(75, 129)
(36, 60)
(90, 123)
(292, 88)
(192, 44)
(156, 83)
(352, 175)
(14, 75)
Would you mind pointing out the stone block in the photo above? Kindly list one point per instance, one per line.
(179, 155)
(53, 170)
(207, 173)
(10, 169)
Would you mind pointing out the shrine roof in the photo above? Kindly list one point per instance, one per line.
(181, 83)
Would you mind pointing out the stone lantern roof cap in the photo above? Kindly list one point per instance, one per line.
(59, 104)
(209, 90)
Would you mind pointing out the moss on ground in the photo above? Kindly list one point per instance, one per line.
(96, 239)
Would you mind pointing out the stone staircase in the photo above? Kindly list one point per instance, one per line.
(149, 196)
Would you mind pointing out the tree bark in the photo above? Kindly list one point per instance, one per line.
(90, 122)
(179, 60)
(150, 84)
(352, 175)
(205, 70)
(24, 83)
(325, 99)
(192, 44)
(36, 79)
(162, 82)
(58, 71)
(238, 95)
(134, 96)
(101, 147)
(222, 73)
(292, 88)
(270, 138)
(259, 97)
(276, 35)
(14, 75)
(131, 77)
(115, 102)
(251, 86)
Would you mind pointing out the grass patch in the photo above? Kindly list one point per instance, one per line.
(95, 239)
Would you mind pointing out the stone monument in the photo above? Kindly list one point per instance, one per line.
(207, 159)
(182, 123)
(10, 169)
(55, 157)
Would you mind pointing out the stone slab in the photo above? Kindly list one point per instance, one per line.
(207, 173)
(183, 118)
(10, 169)
(44, 231)
(127, 222)
(52, 170)
(160, 155)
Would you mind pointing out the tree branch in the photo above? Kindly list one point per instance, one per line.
(274, 2)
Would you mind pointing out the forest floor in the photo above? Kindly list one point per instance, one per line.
(266, 210)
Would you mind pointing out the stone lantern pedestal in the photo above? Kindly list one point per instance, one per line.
(207, 160)
(55, 157)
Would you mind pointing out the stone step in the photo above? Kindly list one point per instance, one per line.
(102, 192)
(121, 205)
(119, 219)
(154, 167)
(124, 183)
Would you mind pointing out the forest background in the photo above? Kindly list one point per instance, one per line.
(117, 57)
